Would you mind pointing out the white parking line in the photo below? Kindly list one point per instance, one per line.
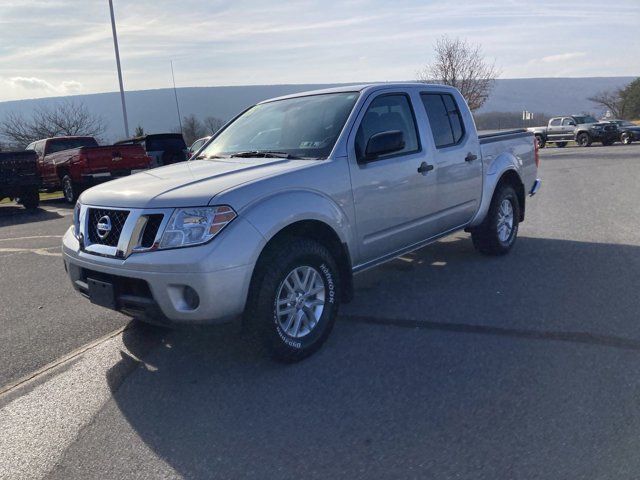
(29, 238)
(38, 251)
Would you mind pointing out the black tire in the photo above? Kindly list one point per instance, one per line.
(626, 138)
(30, 198)
(561, 144)
(69, 189)
(541, 141)
(275, 266)
(584, 139)
(486, 238)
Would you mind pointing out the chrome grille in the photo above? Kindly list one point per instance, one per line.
(117, 219)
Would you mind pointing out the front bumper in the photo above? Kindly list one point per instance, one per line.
(152, 286)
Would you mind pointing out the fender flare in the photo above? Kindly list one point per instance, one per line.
(502, 164)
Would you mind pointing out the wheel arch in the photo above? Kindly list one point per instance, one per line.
(321, 232)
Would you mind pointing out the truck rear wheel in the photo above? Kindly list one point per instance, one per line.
(294, 299)
(69, 189)
(30, 198)
(583, 139)
(626, 138)
(497, 234)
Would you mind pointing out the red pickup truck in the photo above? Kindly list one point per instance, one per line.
(76, 163)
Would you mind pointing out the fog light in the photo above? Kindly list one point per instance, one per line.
(191, 298)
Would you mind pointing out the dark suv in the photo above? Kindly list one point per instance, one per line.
(162, 148)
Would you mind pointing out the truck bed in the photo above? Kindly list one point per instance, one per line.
(18, 169)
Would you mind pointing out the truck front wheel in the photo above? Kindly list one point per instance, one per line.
(540, 141)
(626, 138)
(69, 189)
(499, 230)
(584, 140)
(294, 299)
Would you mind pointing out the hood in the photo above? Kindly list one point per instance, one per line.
(185, 184)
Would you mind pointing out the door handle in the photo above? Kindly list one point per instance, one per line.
(424, 168)
(470, 157)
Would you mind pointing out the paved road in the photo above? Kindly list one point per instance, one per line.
(41, 317)
(446, 365)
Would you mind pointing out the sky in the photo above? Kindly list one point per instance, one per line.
(64, 47)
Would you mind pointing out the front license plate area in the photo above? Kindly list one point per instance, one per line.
(102, 293)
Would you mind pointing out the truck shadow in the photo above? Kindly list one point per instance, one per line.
(14, 214)
(554, 318)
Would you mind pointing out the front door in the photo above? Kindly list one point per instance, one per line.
(394, 194)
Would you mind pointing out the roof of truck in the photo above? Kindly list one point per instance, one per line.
(362, 88)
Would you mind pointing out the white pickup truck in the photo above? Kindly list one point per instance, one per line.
(274, 215)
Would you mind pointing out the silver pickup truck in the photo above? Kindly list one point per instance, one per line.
(274, 215)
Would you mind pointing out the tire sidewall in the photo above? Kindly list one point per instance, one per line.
(261, 317)
(67, 180)
(583, 139)
(506, 193)
(322, 266)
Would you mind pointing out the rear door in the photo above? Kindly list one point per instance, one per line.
(46, 166)
(395, 204)
(456, 151)
(555, 132)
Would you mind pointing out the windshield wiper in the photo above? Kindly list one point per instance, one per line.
(264, 154)
(207, 157)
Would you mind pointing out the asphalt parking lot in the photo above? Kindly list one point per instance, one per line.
(447, 364)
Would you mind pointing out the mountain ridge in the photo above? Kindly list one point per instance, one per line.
(155, 109)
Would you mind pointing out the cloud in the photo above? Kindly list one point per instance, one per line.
(71, 86)
(36, 84)
(563, 57)
(31, 83)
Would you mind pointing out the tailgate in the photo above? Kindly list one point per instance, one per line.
(18, 168)
(115, 158)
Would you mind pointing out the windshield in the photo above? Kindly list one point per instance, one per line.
(305, 127)
(58, 145)
(585, 119)
(625, 123)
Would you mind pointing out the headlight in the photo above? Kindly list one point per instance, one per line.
(196, 225)
(76, 220)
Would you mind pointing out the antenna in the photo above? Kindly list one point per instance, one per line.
(175, 93)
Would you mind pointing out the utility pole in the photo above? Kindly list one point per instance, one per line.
(115, 46)
(175, 94)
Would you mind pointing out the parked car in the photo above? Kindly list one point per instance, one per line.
(291, 199)
(583, 129)
(19, 178)
(197, 145)
(628, 131)
(162, 148)
(75, 163)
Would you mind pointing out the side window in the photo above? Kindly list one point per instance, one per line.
(555, 122)
(445, 118)
(567, 121)
(387, 113)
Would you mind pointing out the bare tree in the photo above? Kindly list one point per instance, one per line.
(65, 118)
(139, 132)
(192, 129)
(612, 100)
(462, 65)
(213, 124)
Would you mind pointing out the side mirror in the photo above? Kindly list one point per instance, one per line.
(383, 143)
(572, 124)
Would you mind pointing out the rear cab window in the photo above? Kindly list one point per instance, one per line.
(59, 144)
(447, 126)
(388, 112)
